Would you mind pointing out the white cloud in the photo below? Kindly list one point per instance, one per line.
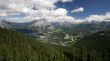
(34, 8)
(66, 1)
(51, 17)
(78, 10)
(105, 17)
(43, 9)
(61, 12)
(37, 4)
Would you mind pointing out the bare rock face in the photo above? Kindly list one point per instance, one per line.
(4, 24)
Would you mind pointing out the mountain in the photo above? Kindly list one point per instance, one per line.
(90, 41)
(92, 26)
(4, 24)
(44, 25)
(55, 32)
(17, 47)
(10, 24)
(99, 40)
(94, 47)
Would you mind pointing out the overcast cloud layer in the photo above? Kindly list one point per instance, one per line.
(42, 9)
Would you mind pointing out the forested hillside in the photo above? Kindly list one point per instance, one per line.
(17, 47)
(99, 40)
(95, 47)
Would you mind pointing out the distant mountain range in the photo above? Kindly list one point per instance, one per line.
(56, 31)
(68, 41)
(43, 24)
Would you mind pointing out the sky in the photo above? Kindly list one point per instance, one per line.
(91, 7)
(55, 10)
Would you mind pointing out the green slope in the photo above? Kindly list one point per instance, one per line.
(95, 47)
(99, 40)
(17, 47)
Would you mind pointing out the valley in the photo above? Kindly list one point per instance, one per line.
(74, 43)
(54, 30)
